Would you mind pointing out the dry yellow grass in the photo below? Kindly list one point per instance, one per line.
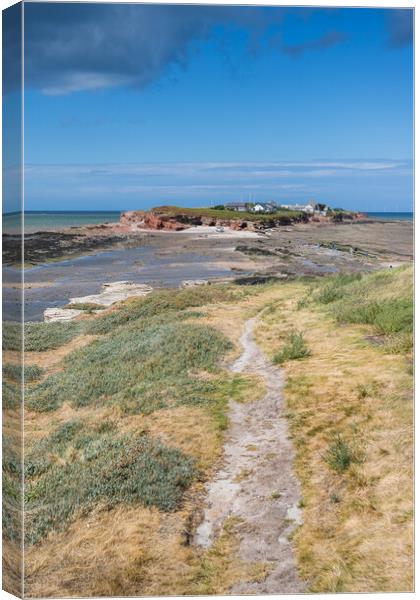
(362, 542)
(136, 550)
(357, 531)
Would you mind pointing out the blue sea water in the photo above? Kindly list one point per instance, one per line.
(46, 220)
(391, 216)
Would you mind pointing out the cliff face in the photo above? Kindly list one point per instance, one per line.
(155, 219)
(150, 220)
(174, 219)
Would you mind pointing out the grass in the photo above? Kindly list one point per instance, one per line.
(162, 302)
(173, 211)
(12, 490)
(11, 395)
(48, 336)
(12, 336)
(335, 287)
(349, 409)
(295, 348)
(39, 337)
(89, 307)
(16, 371)
(338, 456)
(150, 357)
(387, 316)
(171, 395)
(120, 437)
(76, 467)
(382, 300)
(156, 355)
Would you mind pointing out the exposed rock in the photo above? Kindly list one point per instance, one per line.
(114, 292)
(61, 314)
(131, 217)
(173, 218)
(43, 246)
(194, 282)
(154, 220)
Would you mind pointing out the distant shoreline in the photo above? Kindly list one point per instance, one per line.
(54, 220)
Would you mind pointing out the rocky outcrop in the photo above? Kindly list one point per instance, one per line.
(137, 219)
(114, 292)
(151, 220)
(170, 218)
(187, 283)
(61, 314)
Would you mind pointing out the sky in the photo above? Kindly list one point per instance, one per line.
(133, 106)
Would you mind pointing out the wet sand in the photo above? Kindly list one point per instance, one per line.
(165, 258)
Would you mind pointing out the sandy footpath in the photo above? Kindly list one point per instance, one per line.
(256, 484)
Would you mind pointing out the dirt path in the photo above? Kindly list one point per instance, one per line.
(256, 483)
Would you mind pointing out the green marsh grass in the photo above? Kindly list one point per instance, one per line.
(382, 299)
(295, 348)
(16, 371)
(78, 466)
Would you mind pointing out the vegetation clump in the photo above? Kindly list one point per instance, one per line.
(77, 467)
(89, 307)
(383, 300)
(335, 287)
(16, 372)
(295, 348)
(12, 490)
(39, 337)
(141, 367)
(280, 215)
(11, 394)
(339, 455)
(48, 336)
(163, 302)
(12, 336)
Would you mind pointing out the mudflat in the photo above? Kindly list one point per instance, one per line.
(80, 260)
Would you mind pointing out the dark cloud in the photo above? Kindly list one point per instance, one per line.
(399, 23)
(71, 47)
(331, 38)
(12, 47)
(87, 46)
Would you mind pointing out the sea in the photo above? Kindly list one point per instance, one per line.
(48, 220)
(391, 216)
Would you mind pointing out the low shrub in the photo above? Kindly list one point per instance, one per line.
(338, 456)
(12, 336)
(382, 299)
(334, 287)
(89, 307)
(388, 316)
(15, 371)
(142, 367)
(47, 336)
(102, 468)
(12, 490)
(162, 302)
(295, 348)
(11, 395)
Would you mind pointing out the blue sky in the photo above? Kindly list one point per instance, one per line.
(129, 106)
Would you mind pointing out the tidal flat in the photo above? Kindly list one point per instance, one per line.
(79, 260)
